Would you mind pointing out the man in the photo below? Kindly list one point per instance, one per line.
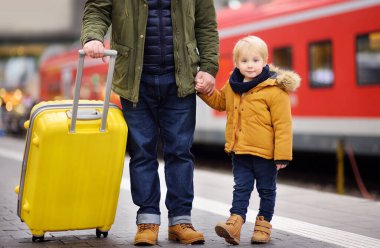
(162, 46)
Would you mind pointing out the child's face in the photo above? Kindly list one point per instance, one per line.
(250, 64)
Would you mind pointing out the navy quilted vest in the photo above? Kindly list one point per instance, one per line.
(158, 53)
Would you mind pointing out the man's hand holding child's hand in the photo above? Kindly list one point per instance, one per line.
(204, 83)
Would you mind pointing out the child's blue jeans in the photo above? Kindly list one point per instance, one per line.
(246, 169)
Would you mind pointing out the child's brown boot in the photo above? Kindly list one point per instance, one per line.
(262, 231)
(230, 230)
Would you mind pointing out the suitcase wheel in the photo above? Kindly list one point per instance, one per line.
(99, 233)
(40, 239)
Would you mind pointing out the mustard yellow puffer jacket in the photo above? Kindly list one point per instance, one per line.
(259, 122)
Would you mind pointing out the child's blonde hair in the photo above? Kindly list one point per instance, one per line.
(252, 43)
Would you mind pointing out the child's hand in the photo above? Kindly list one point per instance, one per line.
(204, 83)
(280, 166)
(199, 86)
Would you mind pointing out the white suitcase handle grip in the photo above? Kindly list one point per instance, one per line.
(78, 80)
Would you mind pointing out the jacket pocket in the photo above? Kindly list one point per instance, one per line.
(193, 56)
(193, 53)
(122, 65)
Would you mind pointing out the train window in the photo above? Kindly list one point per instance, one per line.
(282, 57)
(368, 58)
(320, 64)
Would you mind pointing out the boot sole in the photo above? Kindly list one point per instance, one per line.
(226, 235)
(195, 241)
(144, 242)
(259, 241)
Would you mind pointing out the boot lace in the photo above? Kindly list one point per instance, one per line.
(187, 226)
(143, 227)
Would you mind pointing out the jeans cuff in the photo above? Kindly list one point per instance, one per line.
(148, 219)
(179, 220)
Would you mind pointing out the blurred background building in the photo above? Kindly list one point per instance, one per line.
(27, 28)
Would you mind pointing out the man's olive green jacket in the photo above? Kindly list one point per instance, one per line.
(195, 40)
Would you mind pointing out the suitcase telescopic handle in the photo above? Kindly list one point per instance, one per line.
(78, 80)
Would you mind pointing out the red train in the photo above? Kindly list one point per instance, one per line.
(334, 45)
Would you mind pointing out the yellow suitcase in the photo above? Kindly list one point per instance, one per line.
(73, 163)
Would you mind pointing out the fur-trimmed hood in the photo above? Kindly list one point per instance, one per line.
(286, 79)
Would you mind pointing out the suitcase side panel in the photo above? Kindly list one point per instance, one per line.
(72, 180)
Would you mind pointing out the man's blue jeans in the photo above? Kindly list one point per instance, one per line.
(160, 115)
(246, 169)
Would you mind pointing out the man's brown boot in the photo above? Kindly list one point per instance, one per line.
(262, 231)
(185, 234)
(146, 234)
(230, 230)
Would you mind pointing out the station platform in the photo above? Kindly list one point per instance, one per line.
(303, 217)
